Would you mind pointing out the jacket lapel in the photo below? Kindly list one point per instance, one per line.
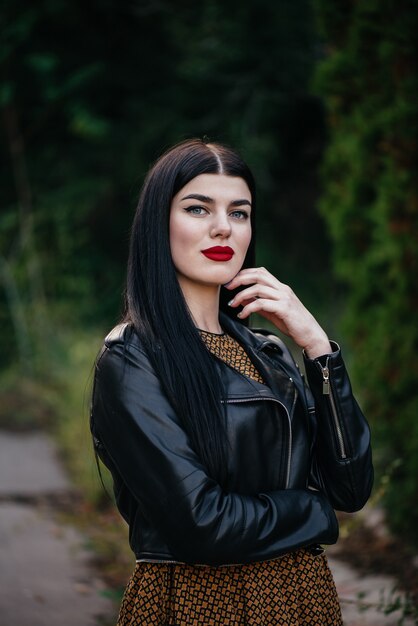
(278, 379)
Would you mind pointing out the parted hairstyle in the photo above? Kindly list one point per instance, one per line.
(155, 306)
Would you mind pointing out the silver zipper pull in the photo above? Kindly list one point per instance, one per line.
(325, 381)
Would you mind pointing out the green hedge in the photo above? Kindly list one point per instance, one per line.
(368, 80)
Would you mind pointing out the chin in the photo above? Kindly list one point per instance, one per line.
(226, 271)
(227, 274)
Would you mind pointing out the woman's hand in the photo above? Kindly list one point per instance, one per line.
(276, 301)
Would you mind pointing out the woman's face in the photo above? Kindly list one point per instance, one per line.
(210, 229)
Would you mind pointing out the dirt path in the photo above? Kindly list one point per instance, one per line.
(45, 576)
(364, 599)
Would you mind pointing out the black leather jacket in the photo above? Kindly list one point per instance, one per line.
(294, 456)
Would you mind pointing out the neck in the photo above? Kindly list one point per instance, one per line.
(203, 304)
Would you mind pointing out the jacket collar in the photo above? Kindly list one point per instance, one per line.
(280, 375)
(244, 335)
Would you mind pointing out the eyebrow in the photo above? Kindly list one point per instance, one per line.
(208, 200)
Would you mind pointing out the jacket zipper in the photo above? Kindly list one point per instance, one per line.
(289, 451)
(327, 391)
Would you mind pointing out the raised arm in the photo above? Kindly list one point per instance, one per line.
(342, 466)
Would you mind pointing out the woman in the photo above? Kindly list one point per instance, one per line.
(226, 466)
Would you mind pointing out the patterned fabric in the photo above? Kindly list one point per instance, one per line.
(230, 351)
(294, 590)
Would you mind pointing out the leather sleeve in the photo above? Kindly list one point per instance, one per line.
(152, 453)
(342, 462)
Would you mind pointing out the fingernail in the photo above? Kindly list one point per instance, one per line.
(239, 314)
(231, 302)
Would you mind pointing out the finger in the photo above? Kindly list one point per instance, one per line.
(258, 306)
(254, 292)
(253, 275)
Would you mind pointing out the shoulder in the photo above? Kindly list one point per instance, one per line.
(122, 350)
(267, 338)
(124, 337)
(255, 338)
(263, 341)
(274, 346)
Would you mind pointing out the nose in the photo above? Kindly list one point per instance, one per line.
(221, 226)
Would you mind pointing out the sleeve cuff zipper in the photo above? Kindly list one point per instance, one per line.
(328, 392)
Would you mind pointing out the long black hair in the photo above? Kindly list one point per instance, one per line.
(154, 302)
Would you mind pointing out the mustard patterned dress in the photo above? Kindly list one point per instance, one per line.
(296, 589)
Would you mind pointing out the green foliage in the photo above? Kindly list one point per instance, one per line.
(369, 80)
(91, 94)
(70, 384)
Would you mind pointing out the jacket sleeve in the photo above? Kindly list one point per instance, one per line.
(200, 522)
(342, 463)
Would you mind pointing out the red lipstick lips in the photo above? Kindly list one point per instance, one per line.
(219, 253)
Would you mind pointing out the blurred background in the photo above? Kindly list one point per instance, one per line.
(320, 99)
